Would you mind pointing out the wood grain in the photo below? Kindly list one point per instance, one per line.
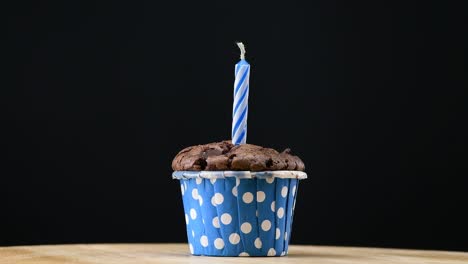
(179, 253)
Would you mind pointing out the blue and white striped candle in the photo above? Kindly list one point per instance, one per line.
(241, 97)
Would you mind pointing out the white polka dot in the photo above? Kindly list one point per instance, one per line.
(234, 191)
(234, 238)
(185, 186)
(280, 212)
(186, 219)
(266, 225)
(247, 197)
(284, 191)
(193, 233)
(217, 199)
(260, 196)
(203, 221)
(285, 235)
(258, 243)
(216, 222)
(200, 200)
(226, 218)
(273, 206)
(283, 253)
(244, 254)
(198, 180)
(219, 243)
(213, 180)
(237, 181)
(195, 193)
(271, 252)
(204, 241)
(191, 248)
(269, 179)
(182, 189)
(193, 214)
(246, 227)
(294, 189)
(278, 233)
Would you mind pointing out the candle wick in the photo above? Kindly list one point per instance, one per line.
(242, 49)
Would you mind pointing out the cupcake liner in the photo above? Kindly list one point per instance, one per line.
(239, 213)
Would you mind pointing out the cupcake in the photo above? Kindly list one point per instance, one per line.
(238, 199)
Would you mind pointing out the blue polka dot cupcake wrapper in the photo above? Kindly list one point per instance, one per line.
(250, 215)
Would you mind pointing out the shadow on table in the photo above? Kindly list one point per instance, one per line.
(322, 255)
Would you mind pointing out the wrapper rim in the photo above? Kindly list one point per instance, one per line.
(283, 174)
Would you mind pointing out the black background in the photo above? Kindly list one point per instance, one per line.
(98, 98)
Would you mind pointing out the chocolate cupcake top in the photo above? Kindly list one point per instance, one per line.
(224, 156)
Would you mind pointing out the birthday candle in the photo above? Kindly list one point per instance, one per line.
(241, 96)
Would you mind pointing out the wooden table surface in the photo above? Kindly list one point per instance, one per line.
(179, 253)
